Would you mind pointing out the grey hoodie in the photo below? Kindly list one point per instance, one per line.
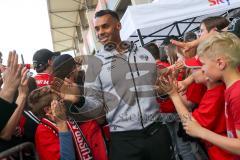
(129, 103)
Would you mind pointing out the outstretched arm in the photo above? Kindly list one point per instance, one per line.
(9, 129)
(12, 77)
(230, 144)
(186, 46)
(166, 84)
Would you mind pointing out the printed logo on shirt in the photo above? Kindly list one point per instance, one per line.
(218, 2)
(143, 57)
(42, 82)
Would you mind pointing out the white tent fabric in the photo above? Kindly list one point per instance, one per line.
(153, 16)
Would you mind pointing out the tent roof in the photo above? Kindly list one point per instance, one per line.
(160, 19)
(64, 18)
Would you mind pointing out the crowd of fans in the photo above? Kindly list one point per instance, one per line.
(180, 100)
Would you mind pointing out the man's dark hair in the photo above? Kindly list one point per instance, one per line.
(105, 12)
(163, 55)
(215, 21)
(153, 49)
(189, 36)
(167, 40)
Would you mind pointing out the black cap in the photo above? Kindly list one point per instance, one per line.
(41, 57)
(234, 26)
(63, 65)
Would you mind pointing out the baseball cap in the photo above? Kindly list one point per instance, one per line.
(63, 65)
(234, 26)
(41, 57)
(193, 62)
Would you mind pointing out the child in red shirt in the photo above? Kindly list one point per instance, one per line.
(195, 91)
(61, 137)
(220, 55)
(209, 112)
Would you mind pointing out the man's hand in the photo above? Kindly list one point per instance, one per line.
(12, 77)
(66, 89)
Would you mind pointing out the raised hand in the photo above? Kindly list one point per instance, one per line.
(179, 65)
(23, 87)
(2, 69)
(11, 77)
(1, 81)
(58, 111)
(167, 84)
(181, 86)
(58, 115)
(66, 89)
(186, 46)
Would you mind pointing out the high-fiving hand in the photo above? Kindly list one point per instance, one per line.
(11, 77)
(67, 89)
(23, 87)
(166, 82)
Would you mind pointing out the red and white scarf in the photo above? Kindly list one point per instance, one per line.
(83, 150)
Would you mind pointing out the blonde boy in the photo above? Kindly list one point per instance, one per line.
(220, 57)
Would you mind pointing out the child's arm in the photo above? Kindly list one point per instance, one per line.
(189, 45)
(186, 102)
(168, 86)
(179, 105)
(230, 144)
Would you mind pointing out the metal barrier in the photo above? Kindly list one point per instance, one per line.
(18, 152)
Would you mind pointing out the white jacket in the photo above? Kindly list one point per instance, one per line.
(130, 102)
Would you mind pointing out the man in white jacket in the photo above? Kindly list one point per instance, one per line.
(120, 80)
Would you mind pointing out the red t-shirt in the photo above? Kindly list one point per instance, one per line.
(195, 92)
(43, 79)
(162, 65)
(48, 145)
(166, 104)
(210, 114)
(232, 109)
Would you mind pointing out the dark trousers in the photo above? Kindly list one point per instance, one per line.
(151, 143)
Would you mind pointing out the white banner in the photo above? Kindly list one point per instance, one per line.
(162, 12)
